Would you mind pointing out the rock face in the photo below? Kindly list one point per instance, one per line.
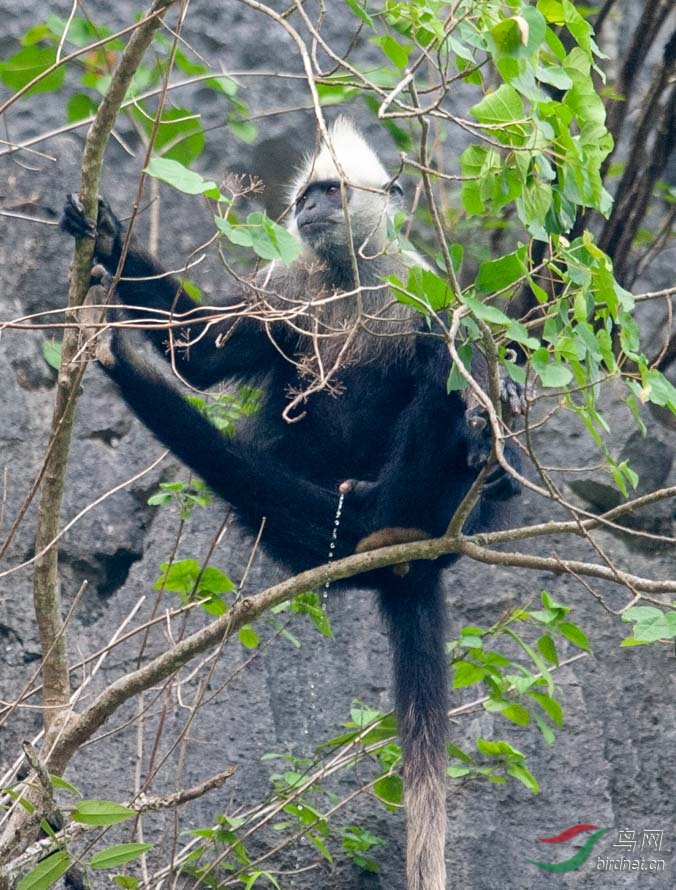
(612, 763)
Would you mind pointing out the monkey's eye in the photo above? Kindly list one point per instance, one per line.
(332, 189)
(300, 202)
(397, 190)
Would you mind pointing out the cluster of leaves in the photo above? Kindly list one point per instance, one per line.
(513, 689)
(542, 145)
(522, 691)
(266, 238)
(516, 691)
(301, 801)
(179, 133)
(224, 410)
(84, 813)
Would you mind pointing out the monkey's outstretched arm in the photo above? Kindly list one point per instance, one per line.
(193, 346)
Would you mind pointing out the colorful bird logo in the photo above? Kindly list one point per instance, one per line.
(577, 859)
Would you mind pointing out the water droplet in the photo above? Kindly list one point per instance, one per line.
(333, 543)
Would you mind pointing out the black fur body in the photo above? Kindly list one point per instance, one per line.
(386, 420)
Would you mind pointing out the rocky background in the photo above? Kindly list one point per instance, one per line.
(612, 763)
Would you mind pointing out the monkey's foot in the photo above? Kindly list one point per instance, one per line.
(512, 398)
(92, 316)
(385, 537)
(104, 353)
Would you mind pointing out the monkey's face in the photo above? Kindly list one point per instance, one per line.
(321, 215)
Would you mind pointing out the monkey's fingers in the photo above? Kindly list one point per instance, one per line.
(74, 221)
(106, 229)
(513, 398)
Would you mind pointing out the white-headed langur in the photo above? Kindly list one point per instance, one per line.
(354, 399)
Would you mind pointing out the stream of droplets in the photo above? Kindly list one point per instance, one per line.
(325, 595)
(332, 545)
(327, 585)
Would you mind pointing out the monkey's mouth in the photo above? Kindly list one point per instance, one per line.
(318, 224)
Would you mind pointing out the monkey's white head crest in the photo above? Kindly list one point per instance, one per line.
(357, 162)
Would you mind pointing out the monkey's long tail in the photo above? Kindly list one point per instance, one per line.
(415, 612)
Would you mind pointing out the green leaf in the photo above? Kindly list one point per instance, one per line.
(46, 873)
(177, 175)
(255, 875)
(466, 674)
(472, 162)
(501, 109)
(650, 624)
(485, 311)
(272, 241)
(310, 604)
(517, 714)
(550, 372)
(424, 289)
(390, 790)
(395, 52)
(27, 64)
(494, 275)
(214, 581)
(356, 842)
(658, 390)
(61, 784)
(518, 771)
(454, 751)
(360, 12)
(80, 107)
(547, 648)
(553, 76)
(244, 130)
(336, 90)
(129, 882)
(519, 333)
(178, 136)
(545, 729)
(549, 705)
(552, 11)
(268, 239)
(499, 748)
(456, 381)
(179, 577)
(248, 637)
(508, 38)
(574, 635)
(101, 812)
(51, 351)
(318, 842)
(38, 33)
(186, 575)
(633, 641)
(118, 855)
(533, 206)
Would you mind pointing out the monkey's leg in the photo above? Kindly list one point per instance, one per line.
(299, 513)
